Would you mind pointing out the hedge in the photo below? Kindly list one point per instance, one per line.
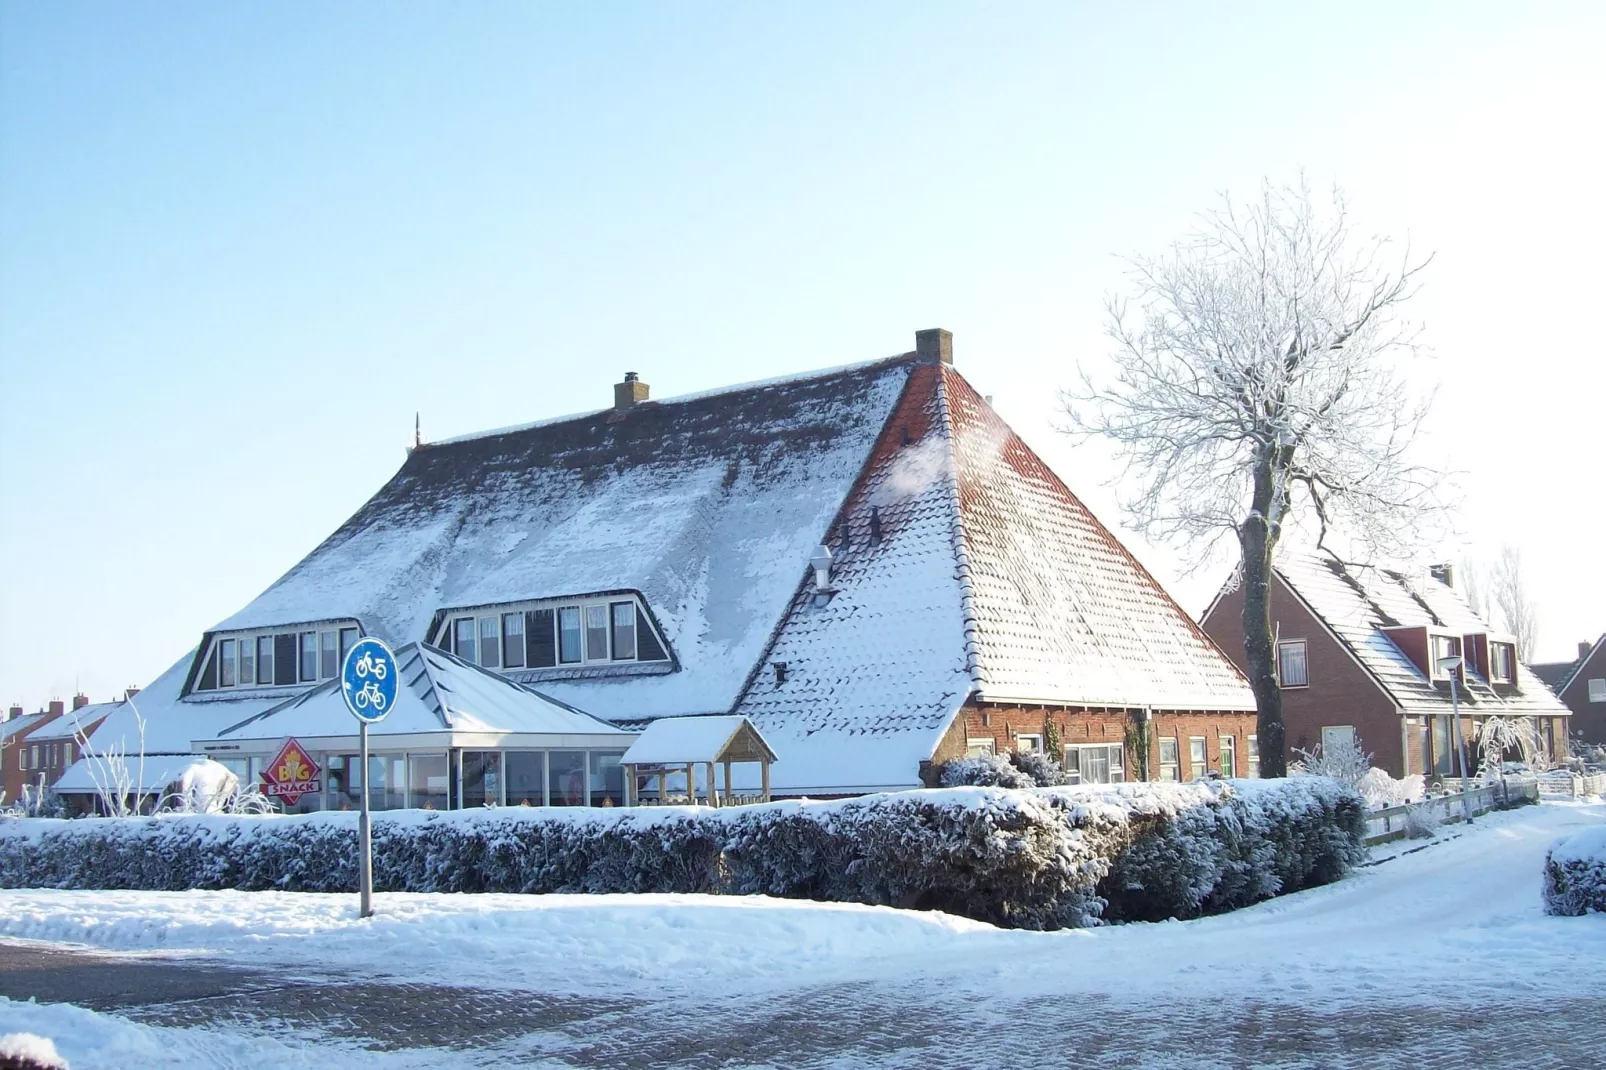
(1575, 874)
(1037, 859)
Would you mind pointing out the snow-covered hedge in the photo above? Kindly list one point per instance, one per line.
(1039, 859)
(1575, 874)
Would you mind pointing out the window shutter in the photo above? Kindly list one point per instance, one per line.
(284, 658)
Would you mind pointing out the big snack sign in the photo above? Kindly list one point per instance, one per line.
(291, 775)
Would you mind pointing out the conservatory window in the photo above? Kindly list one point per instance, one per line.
(624, 630)
(1196, 758)
(1170, 767)
(226, 663)
(526, 778)
(1292, 669)
(1098, 763)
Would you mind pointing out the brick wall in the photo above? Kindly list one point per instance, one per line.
(1340, 691)
(1589, 718)
(1003, 725)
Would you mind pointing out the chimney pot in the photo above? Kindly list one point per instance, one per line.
(80, 700)
(1584, 649)
(630, 393)
(935, 346)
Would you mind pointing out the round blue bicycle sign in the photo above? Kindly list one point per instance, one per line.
(368, 680)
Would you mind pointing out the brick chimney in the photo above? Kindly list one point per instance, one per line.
(56, 707)
(1584, 649)
(15, 711)
(80, 700)
(935, 345)
(629, 393)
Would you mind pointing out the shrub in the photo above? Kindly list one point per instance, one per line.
(984, 771)
(1041, 859)
(1422, 822)
(1042, 768)
(1575, 874)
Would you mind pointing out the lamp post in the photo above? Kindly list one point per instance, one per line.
(1450, 666)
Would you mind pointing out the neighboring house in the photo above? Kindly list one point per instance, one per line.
(14, 748)
(55, 747)
(1581, 684)
(866, 562)
(1357, 657)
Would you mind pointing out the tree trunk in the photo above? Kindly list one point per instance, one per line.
(1258, 542)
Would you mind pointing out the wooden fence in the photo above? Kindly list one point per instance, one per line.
(1389, 823)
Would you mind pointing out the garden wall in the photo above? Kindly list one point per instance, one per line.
(1037, 859)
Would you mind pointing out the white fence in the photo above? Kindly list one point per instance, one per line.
(1389, 823)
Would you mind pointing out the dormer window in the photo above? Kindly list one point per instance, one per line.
(553, 634)
(1441, 647)
(1502, 663)
(291, 657)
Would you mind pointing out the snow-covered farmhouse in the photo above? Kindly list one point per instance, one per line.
(1358, 657)
(866, 563)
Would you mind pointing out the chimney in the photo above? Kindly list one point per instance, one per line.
(130, 693)
(1584, 649)
(629, 393)
(1445, 574)
(56, 707)
(80, 700)
(820, 562)
(935, 345)
(15, 711)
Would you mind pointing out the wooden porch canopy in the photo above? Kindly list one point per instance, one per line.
(680, 744)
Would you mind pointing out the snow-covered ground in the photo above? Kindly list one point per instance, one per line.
(1456, 924)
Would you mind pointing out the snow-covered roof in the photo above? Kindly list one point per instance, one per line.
(155, 773)
(439, 692)
(1357, 604)
(681, 740)
(708, 506)
(17, 726)
(1559, 675)
(71, 723)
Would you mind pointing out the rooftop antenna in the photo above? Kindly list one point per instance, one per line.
(418, 429)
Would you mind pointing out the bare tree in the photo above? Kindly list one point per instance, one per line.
(1474, 588)
(1257, 386)
(1508, 586)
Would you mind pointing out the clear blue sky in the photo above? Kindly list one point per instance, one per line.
(241, 244)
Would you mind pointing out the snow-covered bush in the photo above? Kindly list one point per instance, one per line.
(983, 771)
(1575, 873)
(1422, 821)
(1380, 790)
(25, 1051)
(1041, 767)
(1039, 859)
(1346, 762)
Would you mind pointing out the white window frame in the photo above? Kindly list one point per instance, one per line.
(1510, 674)
(1227, 754)
(1451, 644)
(588, 657)
(1198, 770)
(258, 637)
(1597, 690)
(1252, 756)
(1036, 743)
(1115, 754)
(1304, 649)
(983, 746)
(1175, 763)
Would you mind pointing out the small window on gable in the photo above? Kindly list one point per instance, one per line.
(1293, 668)
(1597, 690)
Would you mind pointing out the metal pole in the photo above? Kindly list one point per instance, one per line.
(1461, 747)
(365, 857)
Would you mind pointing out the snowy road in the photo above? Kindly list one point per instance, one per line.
(1438, 958)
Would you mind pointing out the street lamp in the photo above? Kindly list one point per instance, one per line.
(1450, 666)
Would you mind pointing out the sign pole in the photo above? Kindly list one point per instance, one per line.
(365, 853)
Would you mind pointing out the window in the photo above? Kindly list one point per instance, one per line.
(1196, 758)
(569, 635)
(348, 639)
(284, 658)
(225, 674)
(1501, 659)
(624, 630)
(1254, 757)
(1442, 646)
(482, 778)
(463, 638)
(596, 633)
(490, 643)
(980, 748)
(542, 638)
(513, 640)
(1292, 667)
(1170, 768)
(1029, 744)
(328, 656)
(1337, 737)
(607, 779)
(568, 775)
(427, 781)
(1229, 756)
(1098, 763)
(1597, 690)
(309, 657)
(526, 778)
(264, 659)
(248, 662)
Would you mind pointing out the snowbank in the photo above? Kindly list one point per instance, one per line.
(1040, 859)
(25, 1051)
(1575, 873)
